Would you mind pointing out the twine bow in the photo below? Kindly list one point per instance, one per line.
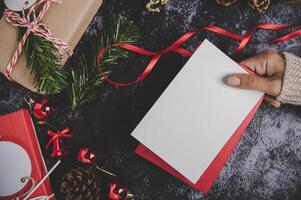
(32, 22)
(57, 151)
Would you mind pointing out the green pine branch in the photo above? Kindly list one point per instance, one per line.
(43, 61)
(117, 30)
(85, 79)
(82, 82)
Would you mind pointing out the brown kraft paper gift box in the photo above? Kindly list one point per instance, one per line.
(67, 21)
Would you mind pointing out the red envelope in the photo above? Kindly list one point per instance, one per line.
(18, 128)
(209, 176)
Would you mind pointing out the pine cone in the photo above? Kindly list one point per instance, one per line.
(259, 5)
(80, 184)
(226, 2)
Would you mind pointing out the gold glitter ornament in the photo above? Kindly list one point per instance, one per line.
(260, 5)
(154, 5)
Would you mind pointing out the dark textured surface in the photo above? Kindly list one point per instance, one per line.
(265, 165)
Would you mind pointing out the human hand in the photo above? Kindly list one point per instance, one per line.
(269, 69)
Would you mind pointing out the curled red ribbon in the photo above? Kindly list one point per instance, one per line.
(175, 47)
(55, 137)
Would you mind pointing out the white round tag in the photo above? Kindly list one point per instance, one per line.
(14, 165)
(18, 5)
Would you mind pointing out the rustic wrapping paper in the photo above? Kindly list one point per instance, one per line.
(67, 21)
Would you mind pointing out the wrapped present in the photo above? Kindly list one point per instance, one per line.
(67, 21)
(22, 164)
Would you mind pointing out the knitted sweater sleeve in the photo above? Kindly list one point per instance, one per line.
(291, 86)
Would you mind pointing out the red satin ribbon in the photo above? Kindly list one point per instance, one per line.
(57, 151)
(175, 47)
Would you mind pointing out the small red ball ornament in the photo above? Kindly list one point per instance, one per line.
(86, 155)
(42, 109)
(117, 192)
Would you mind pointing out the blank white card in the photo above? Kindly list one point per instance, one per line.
(197, 113)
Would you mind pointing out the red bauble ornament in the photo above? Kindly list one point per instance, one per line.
(117, 192)
(42, 109)
(86, 155)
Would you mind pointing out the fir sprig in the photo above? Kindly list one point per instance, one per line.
(85, 79)
(43, 61)
(117, 30)
(83, 84)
